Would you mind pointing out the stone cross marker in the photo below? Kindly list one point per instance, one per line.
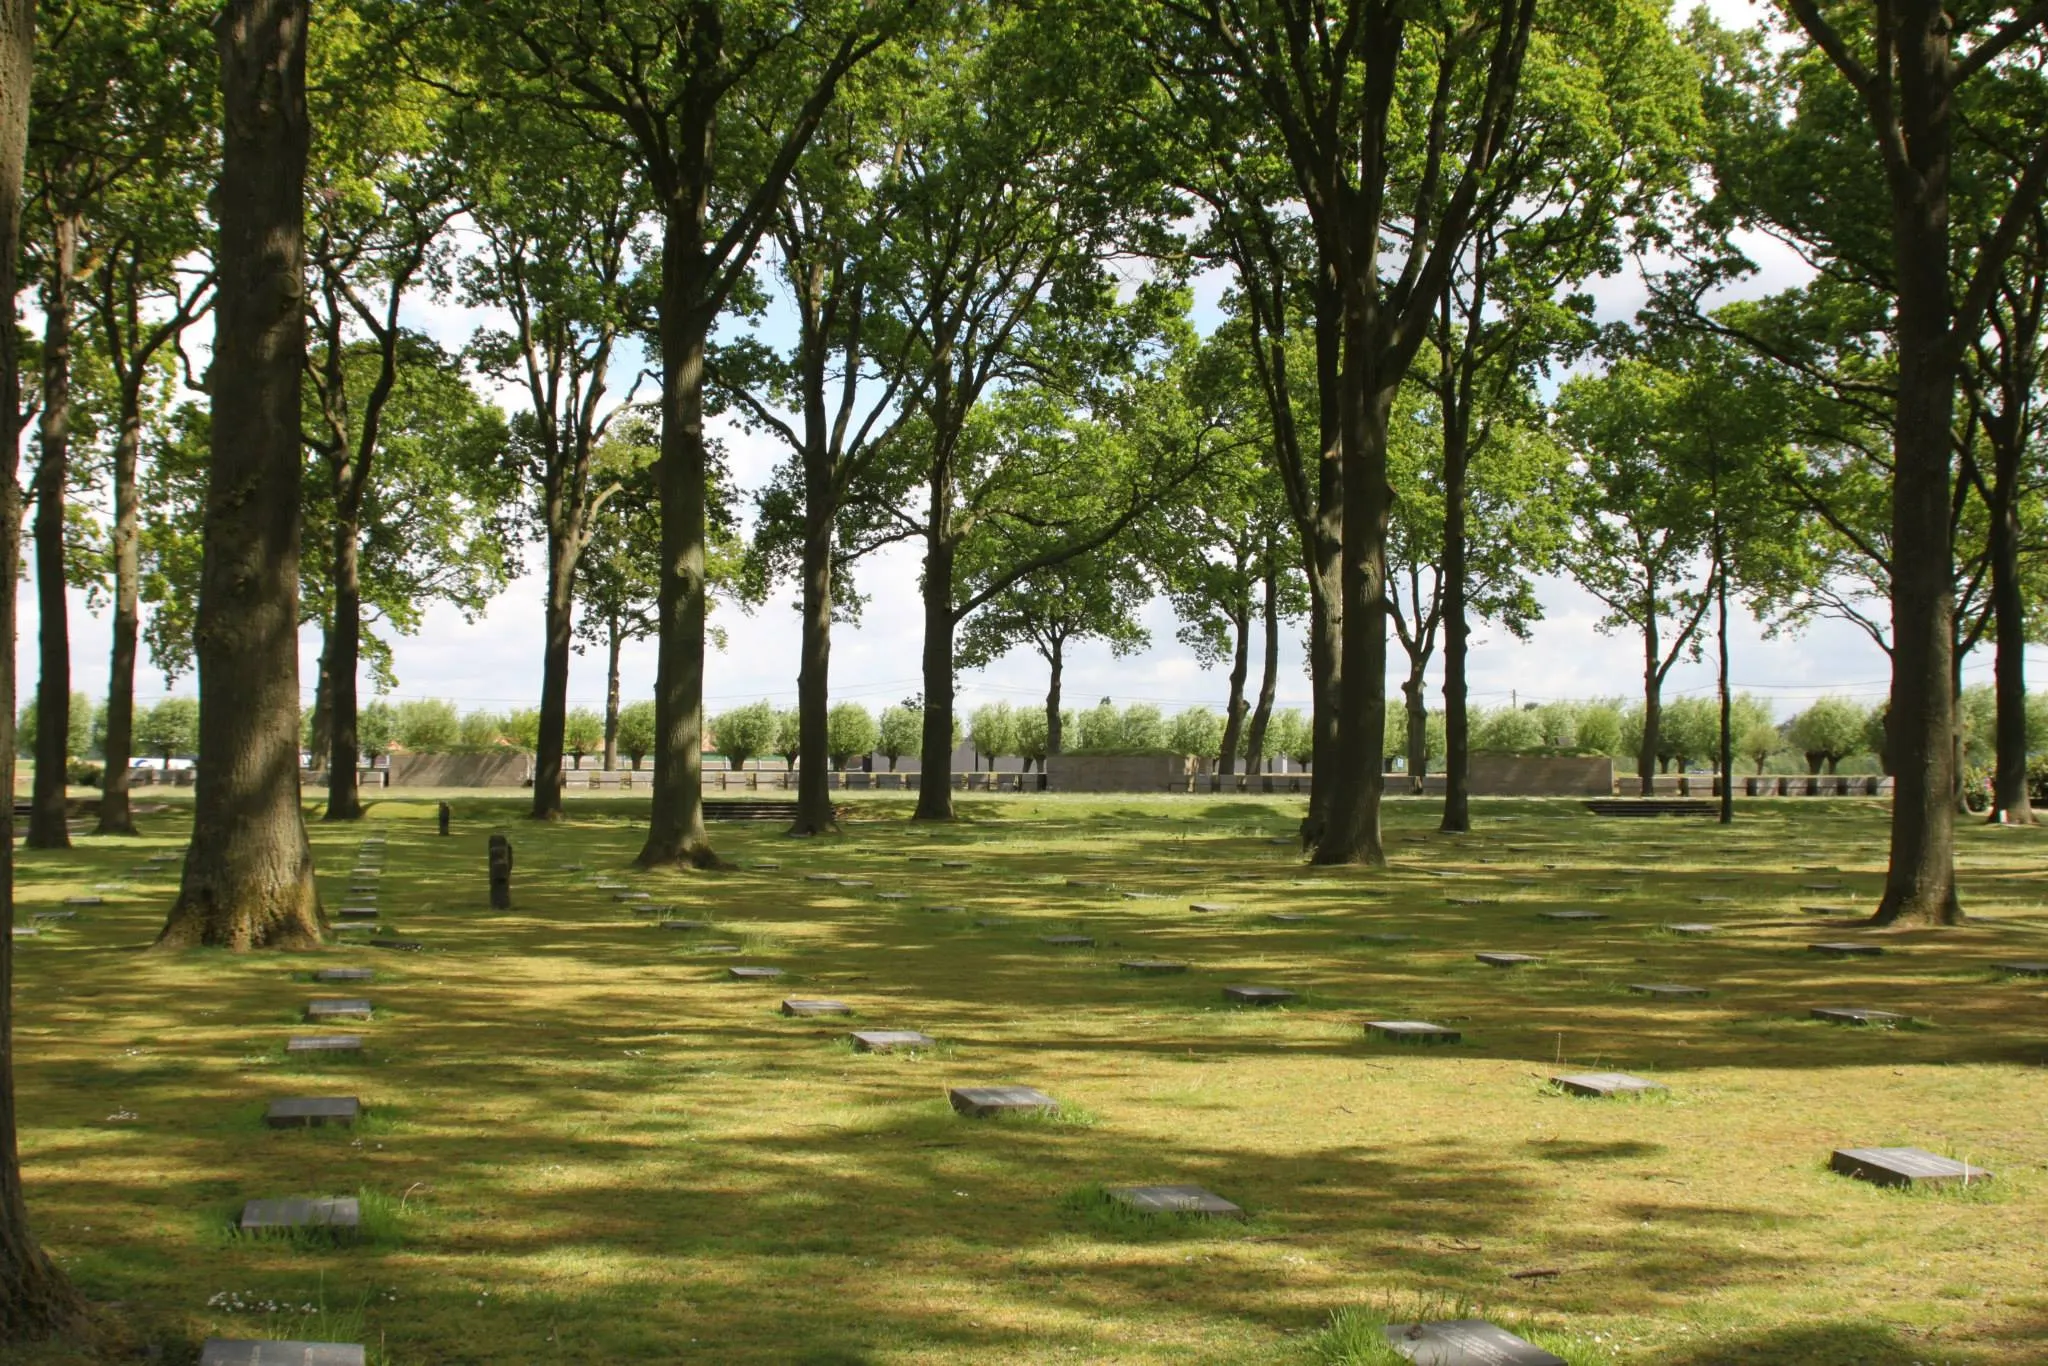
(1174, 1200)
(1904, 1167)
(252, 1352)
(501, 873)
(445, 813)
(1466, 1342)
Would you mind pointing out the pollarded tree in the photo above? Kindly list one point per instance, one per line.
(993, 728)
(480, 733)
(1196, 733)
(170, 729)
(248, 880)
(636, 731)
(747, 733)
(1827, 732)
(582, 732)
(618, 575)
(850, 733)
(897, 732)
(1689, 731)
(427, 725)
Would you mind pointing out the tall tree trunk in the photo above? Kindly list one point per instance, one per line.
(1233, 715)
(1653, 705)
(1352, 831)
(35, 1298)
(320, 749)
(935, 756)
(46, 829)
(1726, 755)
(248, 878)
(675, 832)
(814, 669)
(116, 816)
(1269, 677)
(1457, 630)
(1054, 732)
(558, 617)
(2010, 800)
(613, 639)
(1416, 704)
(344, 650)
(1326, 603)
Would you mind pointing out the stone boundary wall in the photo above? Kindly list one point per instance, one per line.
(1541, 775)
(462, 770)
(1116, 773)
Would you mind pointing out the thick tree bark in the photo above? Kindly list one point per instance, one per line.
(1416, 706)
(116, 815)
(35, 1298)
(248, 878)
(814, 669)
(675, 833)
(935, 754)
(1457, 643)
(1056, 656)
(1269, 678)
(1725, 764)
(1653, 705)
(1326, 556)
(614, 638)
(2010, 800)
(558, 619)
(341, 657)
(1234, 709)
(46, 828)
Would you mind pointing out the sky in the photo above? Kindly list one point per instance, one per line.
(494, 662)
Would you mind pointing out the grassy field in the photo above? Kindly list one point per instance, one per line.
(584, 1144)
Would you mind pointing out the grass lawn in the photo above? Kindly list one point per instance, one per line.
(583, 1143)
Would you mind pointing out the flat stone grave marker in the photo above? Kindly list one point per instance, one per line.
(798, 1006)
(685, 924)
(921, 858)
(1087, 884)
(1465, 1342)
(1571, 916)
(357, 913)
(892, 896)
(1666, 990)
(312, 1112)
(1068, 941)
(2024, 969)
(753, 974)
(1713, 900)
(1904, 1167)
(1605, 1084)
(716, 948)
(1386, 938)
(993, 922)
(268, 1352)
(821, 877)
(338, 1009)
(85, 901)
(956, 863)
(1288, 917)
(632, 896)
(572, 867)
(607, 885)
(1692, 927)
(1612, 889)
(1210, 907)
(887, 1040)
(1847, 949)
(368, 889)
(855, 882)
(365, 870)
(979, 1102)
(1472, 900)
(1411, 1031)
(1174, 1200)
(39, 917)
(341, 1215)
(1829, 910)
(26, 931)
(948, 909)
(1257, 996)
(1857, 1015)
(345, 975)
(1508, 960)
(395, 945)
(767, 866)
(1153, 966)
(1820, 886)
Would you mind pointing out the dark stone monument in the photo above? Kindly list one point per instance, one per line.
(445, 813)
(1507, 960)
(1666, 990)
(1604, 1084)
(267, 1352)
(1411, 1031)
(1174, 1200)
(753, 974)
(1855, 1015)
(337, 1010)
(1257, 996)
(1068, 941)
(795, 1006)
(325, 1043)
(501, 873)
(1156, 966)
(888, 1040)
(312, 1112)
(1847, 949)
(1466, 1342)
(1571, 917)
(340, 1215)
(980, 1102)
(1904, 1167)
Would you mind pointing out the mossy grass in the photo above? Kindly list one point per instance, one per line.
(577, 1114)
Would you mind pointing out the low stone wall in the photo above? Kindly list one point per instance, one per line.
(1541, 775)
(1116, 773)
(462, 770)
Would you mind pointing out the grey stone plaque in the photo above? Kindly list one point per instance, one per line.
(1904, 1167)
(1856, 1015)
(311, 1112)
(716, 948)
(821, 877)
(1692, 927)
(1508, 960)
(632, 896)
(345, 975)
(1713, 900)
(892, 896)
(1571, 916)
(888, 1040)
(1847, 949)
(1210, 907)
(855, 882)
(1668, 990)
(1174, 1200)
(338, 1009)
(1288, 917)
(357, 913)
(250, 1352)
(25, 931)
(983, 1101)
(947, 909)
(1257, 996)
(798, 1006)
(1068, 941)
(1820, 886)
(339, 1214)
(1411, 1031)
(368, 889)
(1154, 966)
(85, 901)
(1466, 1342)
(2024, 969)
(325, 1043)
(753, 974)
(43, 917)
(685, 924)
(1605, 1084)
